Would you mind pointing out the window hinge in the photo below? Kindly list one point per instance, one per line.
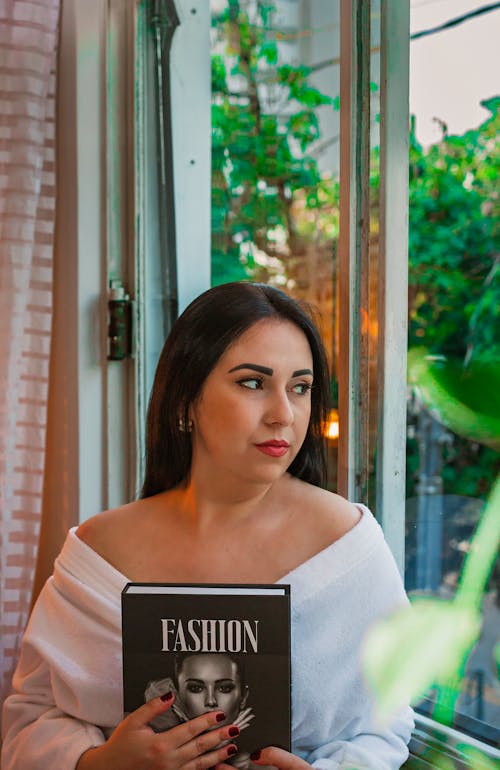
(119, 322)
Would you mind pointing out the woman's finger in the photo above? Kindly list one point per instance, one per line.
(147, 712)
(208, 742)
(279, 758)
(188, 731)
(212, 758)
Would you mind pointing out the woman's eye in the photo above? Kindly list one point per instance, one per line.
(225, 688)
(194, 688)
(252, 383)
(302, 388)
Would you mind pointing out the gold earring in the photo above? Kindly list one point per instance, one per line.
(184, 427)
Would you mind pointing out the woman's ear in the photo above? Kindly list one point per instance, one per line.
(185, 419)
(183, 426)
(244, 697)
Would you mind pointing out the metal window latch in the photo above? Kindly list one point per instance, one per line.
(119, 322)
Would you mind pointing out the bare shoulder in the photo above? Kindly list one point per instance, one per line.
(110, 533)
(332, 514)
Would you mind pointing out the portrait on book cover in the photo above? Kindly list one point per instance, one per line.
(205, 682)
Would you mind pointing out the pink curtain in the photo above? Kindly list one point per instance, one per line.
(28, 47)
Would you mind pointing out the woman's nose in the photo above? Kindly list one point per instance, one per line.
(210, 697)
(280, 410)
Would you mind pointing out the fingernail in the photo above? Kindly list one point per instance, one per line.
(166, 696)
(233, 731)
(231, 751)
(255, 755)
(220, 716)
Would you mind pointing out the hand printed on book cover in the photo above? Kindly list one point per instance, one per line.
(204, 682)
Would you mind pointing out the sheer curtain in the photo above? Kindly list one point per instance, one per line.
(28, 48)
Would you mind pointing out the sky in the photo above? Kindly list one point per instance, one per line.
(453, 70)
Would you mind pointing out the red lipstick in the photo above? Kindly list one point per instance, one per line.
(274, 448)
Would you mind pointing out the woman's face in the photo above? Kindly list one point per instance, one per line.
(254, 409)
(210, 682)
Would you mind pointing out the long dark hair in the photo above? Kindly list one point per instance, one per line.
(197, 340)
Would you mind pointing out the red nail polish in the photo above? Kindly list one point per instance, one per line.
(166, 696)
(220, 716)
(231, 751)
(255, 755)
(233, 731)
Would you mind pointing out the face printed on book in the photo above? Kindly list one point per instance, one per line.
(211, 682)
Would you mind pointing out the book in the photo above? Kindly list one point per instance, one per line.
(217, 647)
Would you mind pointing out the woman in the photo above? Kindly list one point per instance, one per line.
(202, 682)
(232, 494)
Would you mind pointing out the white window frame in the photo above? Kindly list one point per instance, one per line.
(353, 463)
(191, 138)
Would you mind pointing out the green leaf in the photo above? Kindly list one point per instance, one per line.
(423, 645)
(477, 760)
(428, 643)
(269, 52)
(483, 552)
(467, 401)
(218, 74)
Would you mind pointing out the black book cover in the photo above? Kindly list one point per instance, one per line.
(217, 647)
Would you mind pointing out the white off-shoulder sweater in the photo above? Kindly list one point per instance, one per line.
(68, 685)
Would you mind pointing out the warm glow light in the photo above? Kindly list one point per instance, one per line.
(332, 425)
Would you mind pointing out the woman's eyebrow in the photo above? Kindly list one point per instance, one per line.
(195, 680)
(267, 370)
(255, 367)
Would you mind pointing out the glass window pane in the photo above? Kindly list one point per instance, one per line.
(275, 152)
(454, 335)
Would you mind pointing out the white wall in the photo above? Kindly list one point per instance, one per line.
(81, 467)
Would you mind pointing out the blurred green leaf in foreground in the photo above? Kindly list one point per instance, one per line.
(466, 399)
(428, 643)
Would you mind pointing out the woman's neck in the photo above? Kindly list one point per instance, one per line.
(207, 506)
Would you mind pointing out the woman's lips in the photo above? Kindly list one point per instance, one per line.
(274, 448)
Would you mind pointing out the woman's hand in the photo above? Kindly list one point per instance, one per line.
(244, 718)
(135, 746)
(273, 757)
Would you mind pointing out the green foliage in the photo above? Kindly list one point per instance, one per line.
(454, 276)
(296, 79)
(466, 400)
(476, 759)
(263, 122)
(455, 241)
(270, 204)
(416, 648)
(469, 468)
(428, 644)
